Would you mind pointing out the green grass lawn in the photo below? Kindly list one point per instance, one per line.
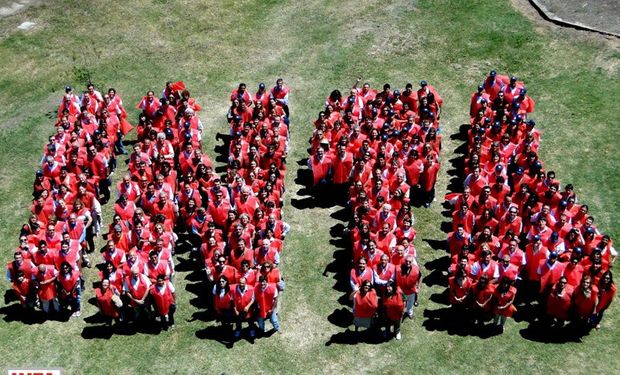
(315, 46)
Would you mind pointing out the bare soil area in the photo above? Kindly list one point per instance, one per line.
(603, 15)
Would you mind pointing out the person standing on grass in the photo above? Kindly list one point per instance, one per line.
(25, 291)
(365, 306)
(109, 302)
(266, 295)
(244, 299)
(164, 301)
(503, 307)
(408, 278)
(606, 293)
(392, 307)
(459, 287)
(559, 303)
(45, 278)
(279, 93)
(136, 288)
(223, 301)
(70, 288)
(482, 294)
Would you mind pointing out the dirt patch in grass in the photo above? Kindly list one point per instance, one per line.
(525, 8)
(9, 7)
(599, 14)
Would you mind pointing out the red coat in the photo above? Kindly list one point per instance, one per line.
(558, 306)
(104, 300)
(223, 303)
(408, 282)
(265, 299)
(365, 306)
(549, 276)
(69, 284)
(242, 300)
(320, 169)
(584, 305)
(482, 295)
(163, 297)
(342, 168)
(47, 292)
(23, 290)
(393, 305)
(458, 291)
(605, 298)
(138, 291)
(503, 299)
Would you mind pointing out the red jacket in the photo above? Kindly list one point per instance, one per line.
(265, 299)
(163, 297)
(408, 282)
(393, 305)
(365, 306)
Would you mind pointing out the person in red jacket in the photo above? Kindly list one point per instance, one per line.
(559, 303)
(136, 288)
(392, 307)
(24, 290)
(408, 278)
(164, 301)
(428, 178)
(482, 294)
(585, 299)
(45, 278)
(109, 302)
(459, 287)
(365, 305)
(321, 166)
(266, 295)
(223, 302)
(243, 302)
(70, 288)
(606, 293)
(503, 307)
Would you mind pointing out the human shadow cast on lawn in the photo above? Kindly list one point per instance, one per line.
(15, 313)
(446, 319)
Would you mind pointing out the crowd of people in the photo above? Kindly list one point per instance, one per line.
(69, 189)
(169, 196)
(520, 239)
(241, 248)
(381, 150)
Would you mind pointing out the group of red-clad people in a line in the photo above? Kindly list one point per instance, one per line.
(517, 233)
(241, 252)
(68, 190)
(381, 149)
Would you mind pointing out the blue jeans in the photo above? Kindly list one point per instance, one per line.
(273, 318)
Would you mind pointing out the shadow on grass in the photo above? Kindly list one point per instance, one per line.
(446, 319)
(15, 313)
(540, 332)
(224, 335)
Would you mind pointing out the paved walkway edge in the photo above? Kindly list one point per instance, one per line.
(549, 16)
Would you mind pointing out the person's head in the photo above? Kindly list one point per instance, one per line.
(365, 287)
(586, 282)
(242, 283)
(485, 255)
(505, 260)
(161, 279)
(606, 279)
(561, 284)
(409, 260)
(484, 280)
(361, 265)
